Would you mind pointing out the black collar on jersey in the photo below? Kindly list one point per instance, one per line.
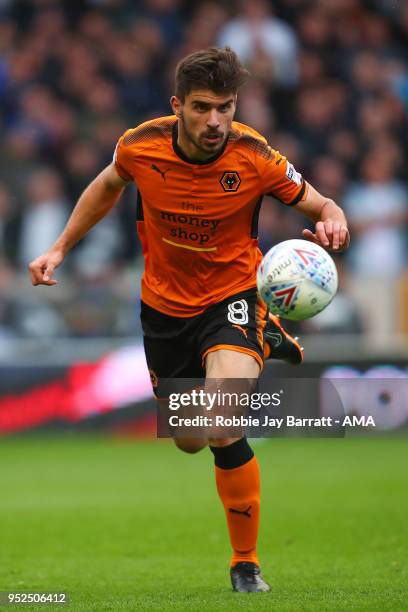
(178, 151)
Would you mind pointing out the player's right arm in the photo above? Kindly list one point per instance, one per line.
(94, 204)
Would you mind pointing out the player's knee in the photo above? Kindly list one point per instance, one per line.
(190, 445)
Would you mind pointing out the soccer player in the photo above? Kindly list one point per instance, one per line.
(201, 178)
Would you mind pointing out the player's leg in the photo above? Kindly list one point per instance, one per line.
(168, 352)
(172, 363)
(237, 478)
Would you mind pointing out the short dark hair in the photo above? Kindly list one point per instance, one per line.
(218, 70)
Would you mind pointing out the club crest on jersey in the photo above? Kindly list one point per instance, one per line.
(230, 180)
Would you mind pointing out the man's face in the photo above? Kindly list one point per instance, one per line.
(206, 119)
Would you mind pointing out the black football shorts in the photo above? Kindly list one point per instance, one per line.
(176, 347)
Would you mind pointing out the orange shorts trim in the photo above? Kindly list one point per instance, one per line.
(238, 349)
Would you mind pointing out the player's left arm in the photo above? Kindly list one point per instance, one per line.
(331, 231)
(279, 178)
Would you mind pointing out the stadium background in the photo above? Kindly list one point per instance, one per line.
(330, 91)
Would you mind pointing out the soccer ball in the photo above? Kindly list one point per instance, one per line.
(297, 279)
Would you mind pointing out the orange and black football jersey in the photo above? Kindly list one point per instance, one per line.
(197, 222)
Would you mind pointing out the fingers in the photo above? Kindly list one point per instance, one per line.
(344, 238)
(41, 272)
(329, 234)
(306, 233)
(48, 272)
(340, 238)
(324, 233)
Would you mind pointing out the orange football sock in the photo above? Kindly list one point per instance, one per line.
(239, 490)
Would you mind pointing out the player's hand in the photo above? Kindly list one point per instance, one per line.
(42, 268)
(331, 235)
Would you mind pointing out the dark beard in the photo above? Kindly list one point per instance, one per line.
(195, 142)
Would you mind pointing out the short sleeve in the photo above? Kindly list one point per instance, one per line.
(281, 180)
(123, 159)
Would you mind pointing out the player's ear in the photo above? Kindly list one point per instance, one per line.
(176, 105)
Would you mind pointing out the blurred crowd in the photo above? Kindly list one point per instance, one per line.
(329, 90)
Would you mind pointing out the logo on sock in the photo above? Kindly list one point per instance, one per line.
(244, 512)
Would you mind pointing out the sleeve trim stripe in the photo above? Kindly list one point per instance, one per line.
(299, 196)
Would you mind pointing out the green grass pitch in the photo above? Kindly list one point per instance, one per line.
(138, 526)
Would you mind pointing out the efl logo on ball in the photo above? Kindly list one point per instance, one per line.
(297, 279)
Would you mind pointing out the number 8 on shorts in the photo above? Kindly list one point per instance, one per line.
(238, 312)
